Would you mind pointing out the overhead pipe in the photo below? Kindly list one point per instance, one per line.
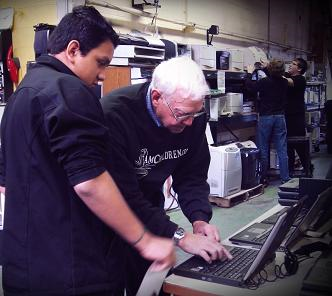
(193, 25)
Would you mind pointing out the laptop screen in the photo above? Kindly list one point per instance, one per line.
(321, 204)
(312, 187)
(274, 240)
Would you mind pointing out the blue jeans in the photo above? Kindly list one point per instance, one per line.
(273, 127)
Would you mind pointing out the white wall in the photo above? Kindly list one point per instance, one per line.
(289, 22)
(28, 13)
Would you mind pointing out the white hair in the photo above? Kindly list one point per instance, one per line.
(181, 77)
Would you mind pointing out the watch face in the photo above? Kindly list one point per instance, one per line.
(180, 232)
(178, 235)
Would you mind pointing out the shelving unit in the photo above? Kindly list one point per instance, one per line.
(230, 124)
(315, 98)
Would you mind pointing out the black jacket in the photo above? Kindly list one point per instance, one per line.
(295, 95)
(272, 94)
(145, 155)
(53, 137)
(295, 108)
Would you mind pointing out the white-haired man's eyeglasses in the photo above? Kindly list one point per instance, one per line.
(184, 116)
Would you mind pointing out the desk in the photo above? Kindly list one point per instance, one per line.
(288, 286)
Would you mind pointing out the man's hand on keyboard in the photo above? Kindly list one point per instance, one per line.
(204, 228)
(208, 249)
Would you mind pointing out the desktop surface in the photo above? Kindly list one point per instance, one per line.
(288, 286)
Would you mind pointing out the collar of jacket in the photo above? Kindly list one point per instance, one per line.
(53, 62)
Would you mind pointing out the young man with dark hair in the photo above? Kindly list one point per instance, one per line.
(60, 198)
(295, 110)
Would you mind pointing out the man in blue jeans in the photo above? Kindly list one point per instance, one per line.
(271, 124)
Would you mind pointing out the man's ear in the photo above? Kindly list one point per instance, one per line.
(73, 49)
(155, 98)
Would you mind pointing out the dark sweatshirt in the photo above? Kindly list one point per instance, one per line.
(295, 95)
(144, 155)
(272, 94)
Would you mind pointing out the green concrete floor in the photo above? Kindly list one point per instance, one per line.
(232, 219)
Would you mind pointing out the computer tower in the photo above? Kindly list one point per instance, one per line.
(251, 170)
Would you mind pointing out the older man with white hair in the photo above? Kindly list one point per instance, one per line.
(158, 130)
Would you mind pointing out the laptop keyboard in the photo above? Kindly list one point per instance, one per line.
(230, 269)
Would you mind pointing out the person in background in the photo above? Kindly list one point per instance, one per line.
(271, 123)
(259, 71)
(158, 130)
(295, 111)
(60, 199)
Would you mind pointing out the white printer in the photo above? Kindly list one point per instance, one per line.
(244, 144)
(234, 103)
(204, 55)
(225, 171)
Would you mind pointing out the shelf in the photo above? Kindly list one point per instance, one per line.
(315, 83)
(236, 121)
(313, 107)
(233, 122)
(238, 118)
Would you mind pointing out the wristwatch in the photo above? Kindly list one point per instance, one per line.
(178, 235)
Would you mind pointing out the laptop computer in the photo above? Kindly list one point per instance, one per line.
(309, 187)
(288, 198)
(246, 262)
(318, 186)
(273, 218)
(320, 210)
(291, 186)
(322, 203)
(257, 233)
